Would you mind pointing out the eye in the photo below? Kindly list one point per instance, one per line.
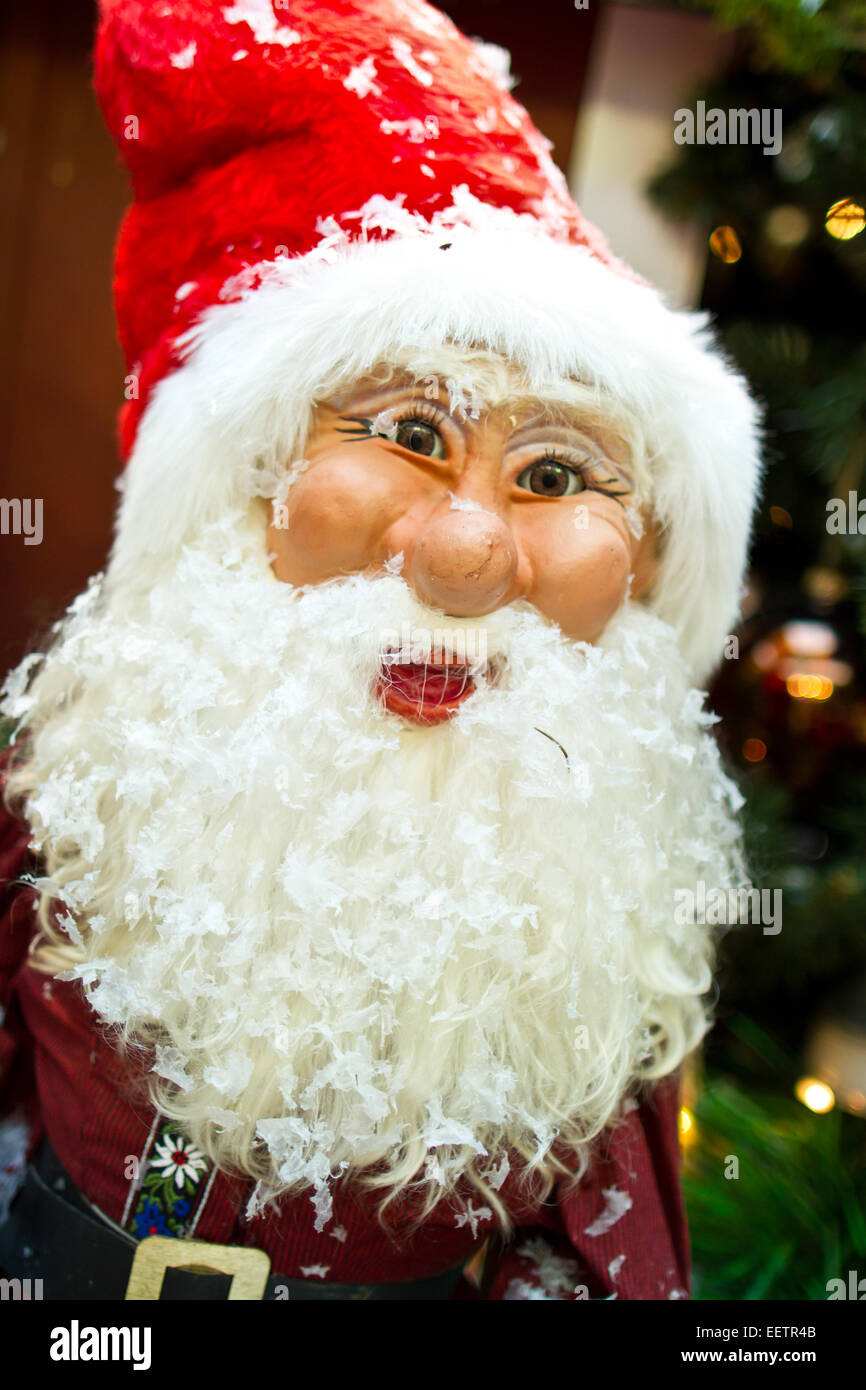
(417, 431)
(420, 437)
(550, 477)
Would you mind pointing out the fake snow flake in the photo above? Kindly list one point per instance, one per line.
(422, 17)
(231, 1079)
(314, 1271)
(67, 922)
(497, 1178)
(552, 1276)
(15, 701)
(333, 236)
(260, 16)
(329, 227)
(170, 1064)
(383, 214)
(555, 1273)
(616, 1205)
(614, 1268)
(464, 504)
(185, 289)
(433, 1170)
(339, 1233)
(495, 62)
(462, 400)
(276, 486)
(184, 58)
(384, 423)
(403, 53)
(240, 53)
(361, 79)
(471, 1217)
(415, 130)
(322, 1201)
(447, 1131)
(425, 169)
(520, 1291)
(487, 122)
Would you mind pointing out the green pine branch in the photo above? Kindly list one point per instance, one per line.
(775, 1208)
(806, 38)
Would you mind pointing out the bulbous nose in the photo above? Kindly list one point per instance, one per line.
(463, 562)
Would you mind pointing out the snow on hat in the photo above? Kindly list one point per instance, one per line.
(299, 167)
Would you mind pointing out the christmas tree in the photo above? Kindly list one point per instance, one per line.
(772, 1186)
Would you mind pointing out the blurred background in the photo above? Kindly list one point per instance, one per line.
(774, 246)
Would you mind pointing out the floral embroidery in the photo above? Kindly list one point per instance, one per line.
(171, 1187)
(179, 1159)
(150, 1221)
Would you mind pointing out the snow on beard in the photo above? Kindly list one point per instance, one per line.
(354, 941)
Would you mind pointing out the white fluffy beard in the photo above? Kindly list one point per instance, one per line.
(358, 944)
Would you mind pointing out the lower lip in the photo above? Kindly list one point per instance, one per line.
(424, 694)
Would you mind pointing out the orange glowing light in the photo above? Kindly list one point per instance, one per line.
(725, 244)
(803, 685)
(815, 1095)
(845, 219)
(754, 750)
(688, 1131)
(781, 517)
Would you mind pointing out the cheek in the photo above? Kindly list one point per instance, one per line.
(581, 576)
(337, 512)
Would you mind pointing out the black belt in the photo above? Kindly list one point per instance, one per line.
(57, 1239)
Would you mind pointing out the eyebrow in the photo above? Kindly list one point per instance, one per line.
(563, 418)
(567, 420)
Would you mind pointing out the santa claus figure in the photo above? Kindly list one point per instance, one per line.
(347, 810)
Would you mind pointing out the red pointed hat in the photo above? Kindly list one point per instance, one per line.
(246, 125)
(298, 168)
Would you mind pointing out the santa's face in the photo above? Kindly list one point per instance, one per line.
(354, 940)
(483, 507)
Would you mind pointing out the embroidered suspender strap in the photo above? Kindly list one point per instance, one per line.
(78, 1255)
(173, 1186)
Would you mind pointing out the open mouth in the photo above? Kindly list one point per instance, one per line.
(426, 692)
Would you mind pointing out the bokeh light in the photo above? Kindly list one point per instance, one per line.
(845, 219)
(815, 1095)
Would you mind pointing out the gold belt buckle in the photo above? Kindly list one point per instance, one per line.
(155, 1254)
